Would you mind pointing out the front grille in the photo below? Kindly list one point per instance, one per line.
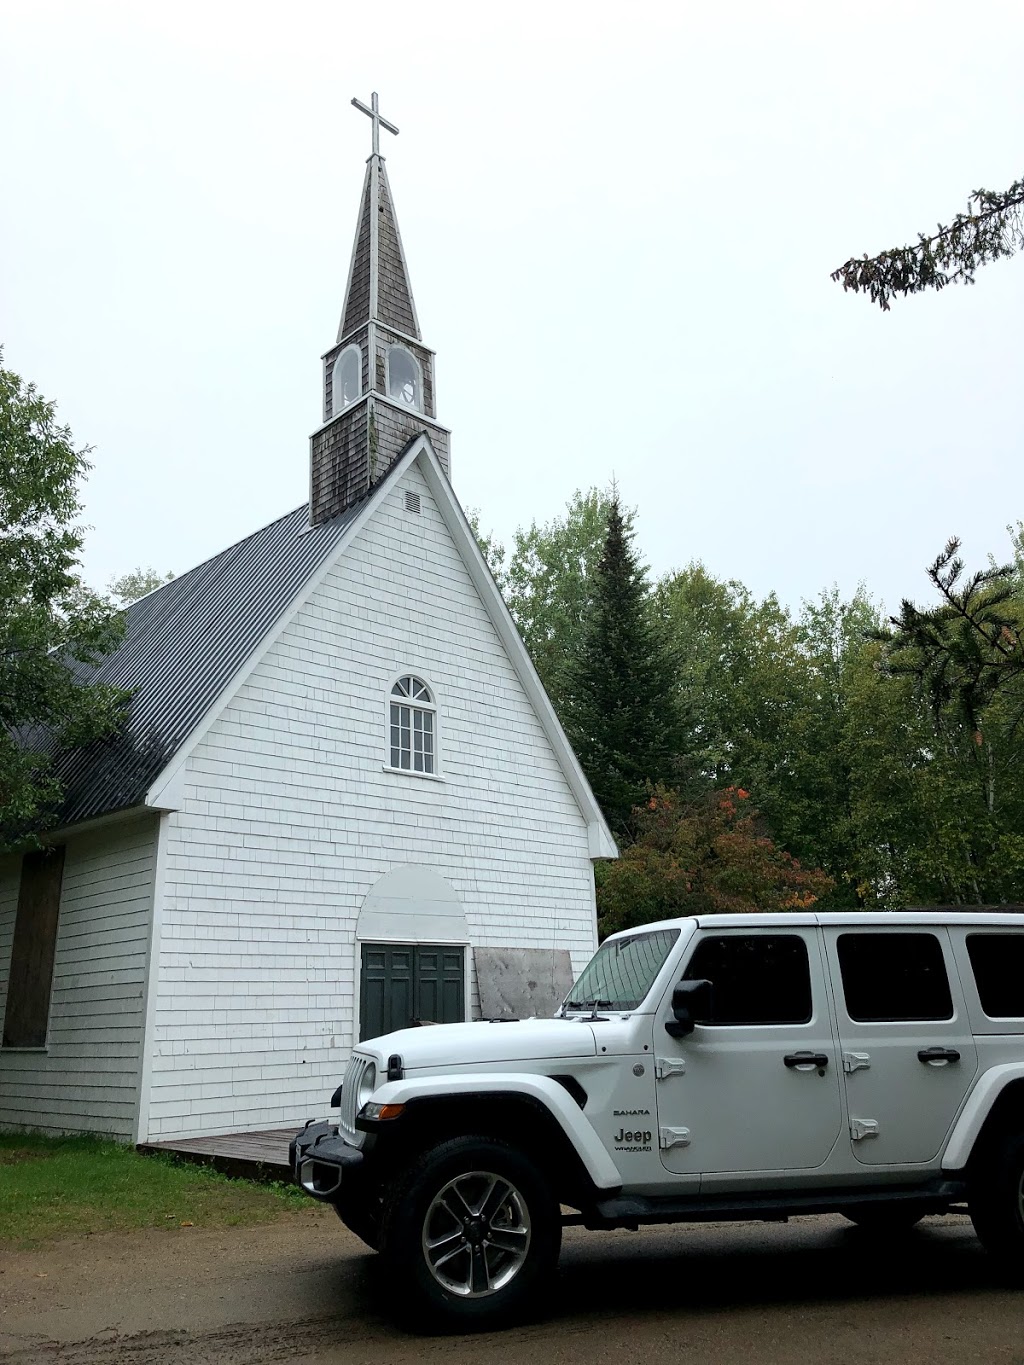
(350, 1099)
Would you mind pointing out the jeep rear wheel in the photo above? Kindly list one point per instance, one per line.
(996, 1202)
(471, 1236)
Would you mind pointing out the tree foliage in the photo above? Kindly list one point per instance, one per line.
(710, 856)
(550, 582)
(992, 228)
(953, 674)
(885, 754)
(47, 614)
(966, 648)
(618, 688)
(763, 698)
(129, 587)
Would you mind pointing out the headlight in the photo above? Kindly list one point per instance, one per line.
(367, 1085)
(380, 1111)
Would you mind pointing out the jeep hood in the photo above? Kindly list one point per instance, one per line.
(464, 1044)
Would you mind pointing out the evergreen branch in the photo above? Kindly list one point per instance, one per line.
(959, 605)
(992, 228)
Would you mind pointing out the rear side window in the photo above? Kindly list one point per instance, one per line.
(997, 961)
(756, 979)
(894, 977)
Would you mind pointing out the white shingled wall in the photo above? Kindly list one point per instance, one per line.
(87, 1077)
(288, 819)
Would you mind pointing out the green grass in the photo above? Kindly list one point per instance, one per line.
(68, 1187)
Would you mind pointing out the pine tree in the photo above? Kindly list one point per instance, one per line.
(619, 689)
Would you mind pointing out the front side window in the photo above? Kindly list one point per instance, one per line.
(755, 978)
(894, 977)
(404, 377)
(412, 728)
(622, 971)
(347, 380)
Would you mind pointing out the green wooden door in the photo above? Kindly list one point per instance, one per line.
(401, 984)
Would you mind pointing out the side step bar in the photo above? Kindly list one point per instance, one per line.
(629, 1211)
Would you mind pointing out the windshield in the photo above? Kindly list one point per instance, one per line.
(621, 972)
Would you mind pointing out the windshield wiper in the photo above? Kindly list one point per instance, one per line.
(587, 1005)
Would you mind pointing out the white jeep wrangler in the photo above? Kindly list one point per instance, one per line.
(721, 1067)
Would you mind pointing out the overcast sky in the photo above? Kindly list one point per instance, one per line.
(619, 221)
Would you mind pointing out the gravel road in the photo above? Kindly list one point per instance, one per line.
(304, 1291)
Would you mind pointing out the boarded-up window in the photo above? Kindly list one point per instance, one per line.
(35, 941)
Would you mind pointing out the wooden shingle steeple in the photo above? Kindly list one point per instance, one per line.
(378, 376)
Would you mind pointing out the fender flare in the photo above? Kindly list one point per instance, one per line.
(540, 1089)
(972, 1118)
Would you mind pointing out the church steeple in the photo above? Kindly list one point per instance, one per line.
(378, 376)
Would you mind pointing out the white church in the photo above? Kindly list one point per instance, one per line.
(340, 801)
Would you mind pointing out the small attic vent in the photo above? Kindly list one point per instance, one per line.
(412, 503)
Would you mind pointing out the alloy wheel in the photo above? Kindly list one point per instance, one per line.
(476, 1234)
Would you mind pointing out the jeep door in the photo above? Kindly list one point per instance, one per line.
(908, 1051)
(755, 1087)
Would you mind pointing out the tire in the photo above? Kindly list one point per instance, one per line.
(996, 1202)
(470, 1237)
(893, 1218)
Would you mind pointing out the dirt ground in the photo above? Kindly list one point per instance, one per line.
(303, 1290)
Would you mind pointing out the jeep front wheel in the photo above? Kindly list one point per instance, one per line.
(471, 1236)
(996, 1203)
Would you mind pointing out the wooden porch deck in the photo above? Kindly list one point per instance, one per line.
(256, 1156)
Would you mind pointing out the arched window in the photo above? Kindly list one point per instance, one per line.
(347, 380)
(412, 728)
(404, 383)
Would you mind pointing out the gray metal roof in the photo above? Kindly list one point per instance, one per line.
(183, 643)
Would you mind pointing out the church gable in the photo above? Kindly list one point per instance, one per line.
(293, 812)
(398, 600)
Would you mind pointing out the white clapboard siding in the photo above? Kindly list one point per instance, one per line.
(87, 1078)
(289, 819)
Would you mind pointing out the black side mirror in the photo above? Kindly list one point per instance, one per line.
(691, 1005)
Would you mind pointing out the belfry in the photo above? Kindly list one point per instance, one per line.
(378, 377)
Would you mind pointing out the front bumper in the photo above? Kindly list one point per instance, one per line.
(320, 1158)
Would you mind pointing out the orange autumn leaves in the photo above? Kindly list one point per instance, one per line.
(710, 856)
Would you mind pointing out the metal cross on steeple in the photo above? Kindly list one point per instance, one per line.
(374, 114)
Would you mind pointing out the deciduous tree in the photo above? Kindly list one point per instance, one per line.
(47, 614)
(129, 587)
(702, 857)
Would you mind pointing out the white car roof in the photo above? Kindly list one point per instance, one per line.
(853, 919)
